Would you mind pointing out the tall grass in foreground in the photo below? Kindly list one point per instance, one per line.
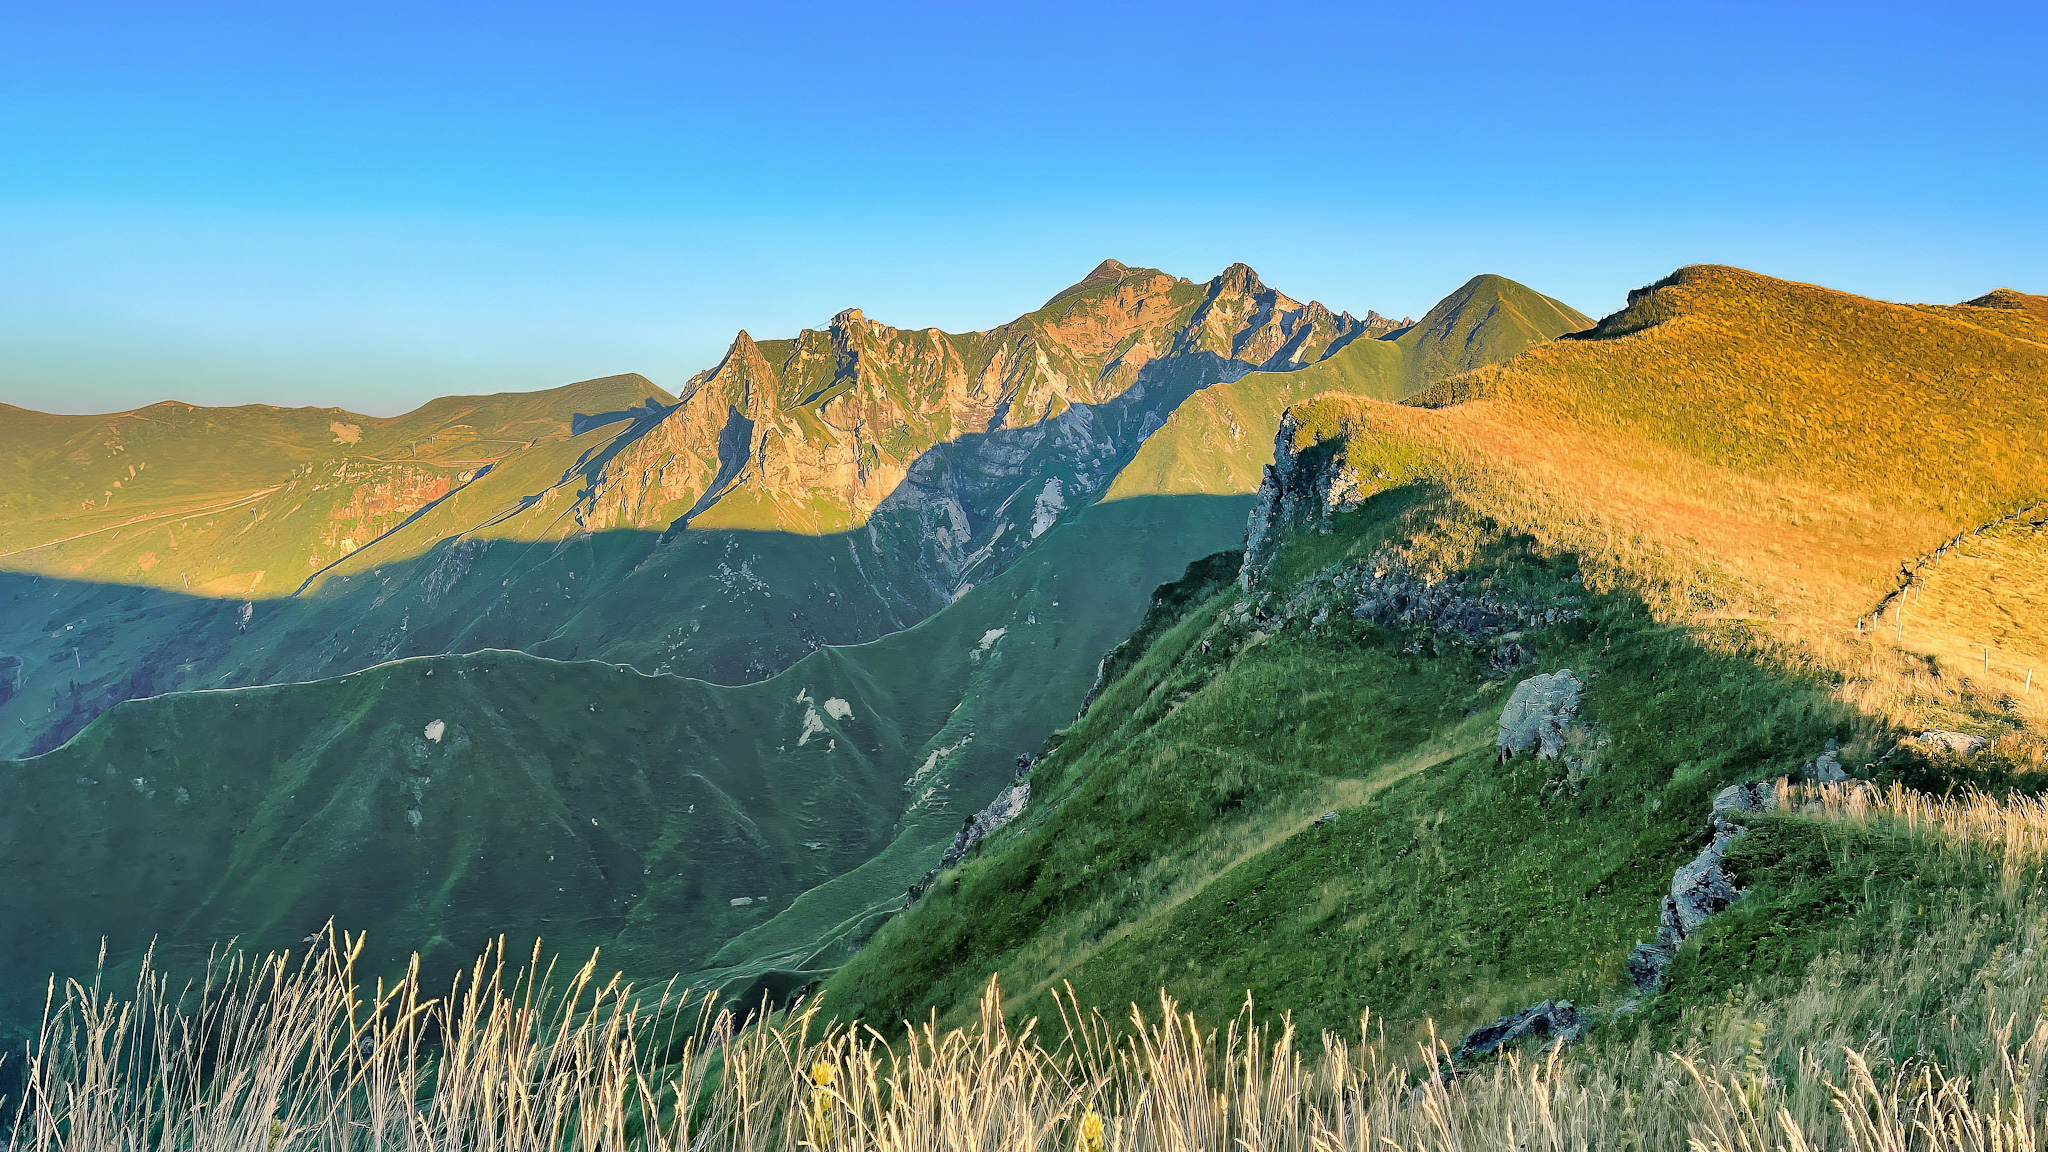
(2010, 832)
(283, 1053)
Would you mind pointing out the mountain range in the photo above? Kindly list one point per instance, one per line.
(859, 532)
(1173, 635)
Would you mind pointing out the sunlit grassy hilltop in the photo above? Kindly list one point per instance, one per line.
(1713, 487)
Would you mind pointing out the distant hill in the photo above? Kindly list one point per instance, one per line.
(250, 501)
(1220, 440)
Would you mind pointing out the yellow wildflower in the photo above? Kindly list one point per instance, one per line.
(1091, 1131)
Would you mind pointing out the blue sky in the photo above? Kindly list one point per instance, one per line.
(367, 205)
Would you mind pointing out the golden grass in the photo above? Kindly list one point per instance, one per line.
(283, 1053)
(1767, 456)
(2011, 830)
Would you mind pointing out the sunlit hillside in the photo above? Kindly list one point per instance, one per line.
(251, 501)
(1702, 507)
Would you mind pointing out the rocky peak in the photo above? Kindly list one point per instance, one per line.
(1238, 280)
(848, 318)
(1105, 271)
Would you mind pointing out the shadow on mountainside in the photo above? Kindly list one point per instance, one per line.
(727, 605)
(441, 801)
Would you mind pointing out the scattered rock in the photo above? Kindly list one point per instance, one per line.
(1825, 768)
(1744, 800)
(1537, 714)
(1393, 595)
(1510, 654)
(1958, 743)
(1553, 1018)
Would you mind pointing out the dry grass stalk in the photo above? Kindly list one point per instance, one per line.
(2014, 829)
(280, 1053)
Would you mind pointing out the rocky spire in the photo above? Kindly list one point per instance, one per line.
(1238, 279)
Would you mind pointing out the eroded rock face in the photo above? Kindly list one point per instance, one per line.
(814, 433)
(1538, 714)
(1702, 888)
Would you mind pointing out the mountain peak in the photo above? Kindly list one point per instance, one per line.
(1239, 278)
(848, 316)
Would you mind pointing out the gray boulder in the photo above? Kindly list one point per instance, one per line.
(1700, 889)
(1537, 715)
(1554, 1018)
(1825, 768)
(1736, 801)
(1958, 743)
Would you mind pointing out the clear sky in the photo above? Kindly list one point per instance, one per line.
(368, 204)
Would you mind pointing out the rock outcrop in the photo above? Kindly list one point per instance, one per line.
(1538, 714)
(1556, 1019)
(1007, 806)
(1701, 888)
(1302, 488)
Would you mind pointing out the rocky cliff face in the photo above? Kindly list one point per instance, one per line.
(1310, 478)
(821, 432)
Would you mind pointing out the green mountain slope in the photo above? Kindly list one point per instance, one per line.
(609, 520)
(439, 801)
(1181, 834)
(1220, 440)
(1296, 789)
